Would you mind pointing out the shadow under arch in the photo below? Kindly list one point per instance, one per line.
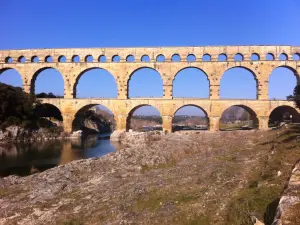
(15, 71)
(199, 70)
(129, 79)
(81, 74)
(105, 118)
(239, 67)
(283, 113)
(48, 110)
(195, 123)
(38, 72)
(238, 117)
(150, 117)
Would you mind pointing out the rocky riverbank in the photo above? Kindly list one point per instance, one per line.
(181, 178)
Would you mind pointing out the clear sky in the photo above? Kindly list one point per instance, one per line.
(67, 24)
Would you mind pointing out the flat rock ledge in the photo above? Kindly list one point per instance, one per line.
(289, 205)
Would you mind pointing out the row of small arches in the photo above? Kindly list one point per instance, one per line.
(160, 58)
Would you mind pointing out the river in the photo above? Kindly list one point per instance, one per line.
(26, 158)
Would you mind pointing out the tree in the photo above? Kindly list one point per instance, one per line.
(296, 96)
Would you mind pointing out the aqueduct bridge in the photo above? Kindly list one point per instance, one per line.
(30, 62)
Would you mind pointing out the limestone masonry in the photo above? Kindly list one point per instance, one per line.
(29, 63)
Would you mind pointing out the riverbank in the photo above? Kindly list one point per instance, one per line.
(180, 178)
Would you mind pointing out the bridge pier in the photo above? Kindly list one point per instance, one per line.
(263, 122)
(167, 123)
(121, 122)
(214, 123)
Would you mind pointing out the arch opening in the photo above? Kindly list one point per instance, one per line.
(191, 82)
(175, 58)
(206, 58)
(47, 83)
(49, 115)
(190, 117)
(270, 57)
(283, 114)
(238, 83)
(102, 59)
(116, 59)
(11, 77)
(130, 58)
(89, 59)
(94, 119)
(49, 59)
(296, 56)
(95, 83)
(144, 118)
(282, 82)
(22, 59)
(145, 58)
(145, 82)
(222, 57)
(8, 59)
(238, 117)
(75, 59)
(255, 57)
(283, 57)
(191, 58)
(34, 59)
(160, 58)
(238, 57)
(62, 59)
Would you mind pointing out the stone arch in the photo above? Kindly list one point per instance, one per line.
(48, 59)
(238, 57)
(15, 73)
(75, 58)
(89, 59)
(283, 113)
(255, 57)
(174, 119)
(22, 59)
(37, 73)
(145, 58)
(284, 81)
(160, 58)
(132, 110)
(197, 69)
(251, 119)
(84, 108)
(245, 68)
(48, 110)
(175, 58)
(222, 57)
(102, 59)
(191, 58)
(34, 59)
(206, 57)
(129, 79)
(8, 59)
(130, 58)
(296, 56)
(283, 57)
(62, 59)
(89, 69)
(116, 58)
(270, 57)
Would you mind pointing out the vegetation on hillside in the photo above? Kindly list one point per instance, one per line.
(19, 108)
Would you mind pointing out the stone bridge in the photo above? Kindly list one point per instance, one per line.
(168, 61)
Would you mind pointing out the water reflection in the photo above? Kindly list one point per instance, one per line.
(25, 158)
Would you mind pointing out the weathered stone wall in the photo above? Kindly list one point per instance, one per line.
(22, 61)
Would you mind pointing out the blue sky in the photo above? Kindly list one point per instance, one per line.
(66, 24)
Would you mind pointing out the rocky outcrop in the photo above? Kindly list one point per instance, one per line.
(16, 133)
(289, 204)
